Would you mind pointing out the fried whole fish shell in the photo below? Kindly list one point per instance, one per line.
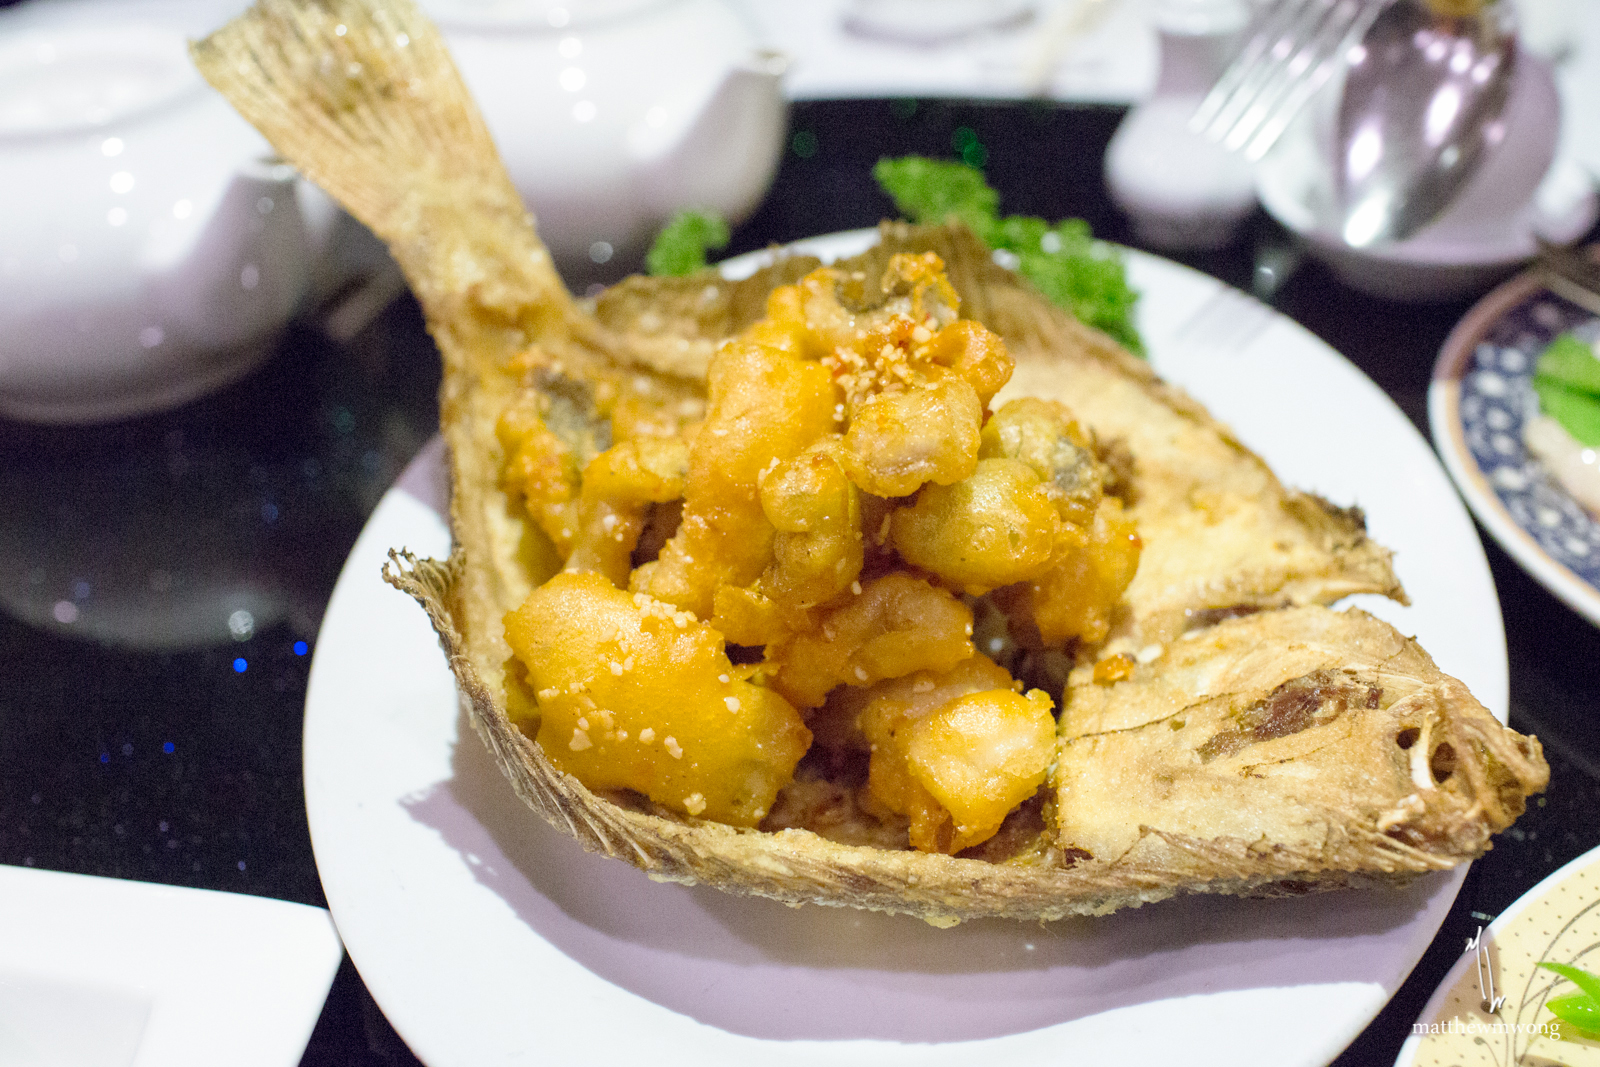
(362, 97)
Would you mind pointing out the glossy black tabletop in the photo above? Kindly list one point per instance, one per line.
(163, 579)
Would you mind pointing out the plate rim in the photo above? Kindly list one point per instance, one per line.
(1449, 439)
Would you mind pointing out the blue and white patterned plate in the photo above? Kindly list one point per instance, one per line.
(1480, 397)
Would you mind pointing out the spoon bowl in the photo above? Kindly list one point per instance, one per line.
(1424, 99)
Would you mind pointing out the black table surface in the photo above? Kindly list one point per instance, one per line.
(148, 739)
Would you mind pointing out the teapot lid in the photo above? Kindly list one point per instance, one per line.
(535, 15)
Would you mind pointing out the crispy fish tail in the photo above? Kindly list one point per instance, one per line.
(362, 97)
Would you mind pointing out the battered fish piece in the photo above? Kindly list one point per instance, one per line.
(1221, 534)
(362, 97)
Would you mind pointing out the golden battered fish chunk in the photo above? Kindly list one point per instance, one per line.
(896, 625)
(994, 528)
(635, 694)
(956, 750)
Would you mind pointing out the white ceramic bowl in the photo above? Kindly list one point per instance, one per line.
(1493, 226)
(148, 247)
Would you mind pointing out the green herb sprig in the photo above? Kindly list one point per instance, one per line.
(681, 246)
(1567, 379)
(1581, 1009)
(1063, 261)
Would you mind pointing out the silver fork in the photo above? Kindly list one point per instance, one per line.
(1296, 47)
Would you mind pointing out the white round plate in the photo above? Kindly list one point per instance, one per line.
(488, 938)
(1557, 921)
(1479, 399)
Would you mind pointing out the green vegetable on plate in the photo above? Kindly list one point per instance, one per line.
(1567, 380)
(1582, 1009)
(681, 246)
(1571, 362)
(1063, 261)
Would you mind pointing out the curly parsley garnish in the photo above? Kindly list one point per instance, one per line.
(1063, 261)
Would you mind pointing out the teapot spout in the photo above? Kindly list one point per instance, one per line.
(722, 155)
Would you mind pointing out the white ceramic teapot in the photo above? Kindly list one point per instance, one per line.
(612, 114)
(148, 247)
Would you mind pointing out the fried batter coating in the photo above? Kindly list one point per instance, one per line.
(619, 485)
(1077, 598)
(1043, 434)
(898, 624)
(846, 483)
(955, 751)
(900, 439)
(816, 510)
(1030, 513)
(995, 528)
(915, 382)
(556, 425)
(542, 469)
(766, 406)
(980, 756)
(1038, 476)
(634, 694)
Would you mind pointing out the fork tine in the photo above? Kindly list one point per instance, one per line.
(1271, 27)
(1294, 59)
(1298, 47)
(1260, 75)
(1306, 87)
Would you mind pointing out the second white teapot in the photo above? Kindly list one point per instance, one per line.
(611, 114)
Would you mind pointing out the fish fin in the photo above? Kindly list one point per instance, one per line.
(363, 98)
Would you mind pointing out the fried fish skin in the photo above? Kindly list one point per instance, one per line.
(1328, 734)
(636, 694)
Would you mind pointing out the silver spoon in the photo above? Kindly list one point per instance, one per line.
(1423, 99)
